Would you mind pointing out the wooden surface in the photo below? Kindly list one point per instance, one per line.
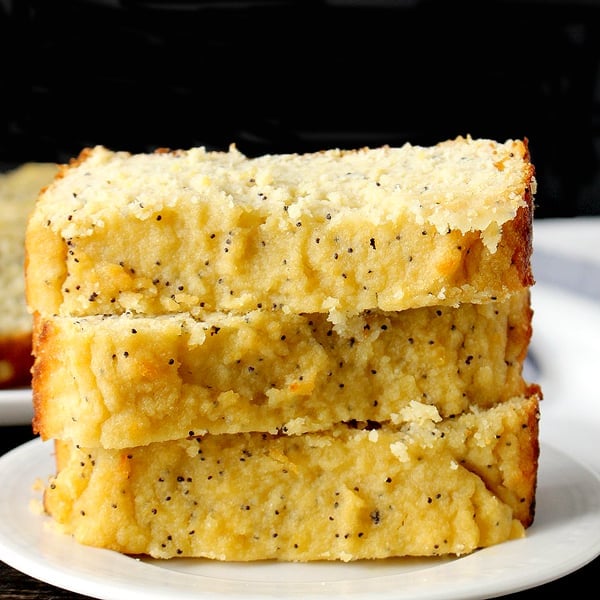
(18, 586)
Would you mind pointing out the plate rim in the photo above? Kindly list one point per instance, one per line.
(16, 406)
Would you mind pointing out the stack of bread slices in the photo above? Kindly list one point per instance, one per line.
(295, 357)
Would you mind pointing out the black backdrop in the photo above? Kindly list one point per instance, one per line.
(294, 76)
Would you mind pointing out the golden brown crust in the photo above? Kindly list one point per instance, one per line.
(529, 461)
(523, 230)
(38, 372)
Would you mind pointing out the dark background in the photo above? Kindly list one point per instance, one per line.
(294, 76)
(304, 75)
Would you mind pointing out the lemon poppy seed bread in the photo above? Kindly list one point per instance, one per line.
(293, 357)
(334, 231)
(124, 381)
(422, 486)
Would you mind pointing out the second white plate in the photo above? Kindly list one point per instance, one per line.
(16, 407)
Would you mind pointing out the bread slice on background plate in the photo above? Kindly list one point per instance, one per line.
(19, 189)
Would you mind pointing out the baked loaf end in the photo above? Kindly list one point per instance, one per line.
(334, 231)
(423, 486)
(126, 381)
(19, 190)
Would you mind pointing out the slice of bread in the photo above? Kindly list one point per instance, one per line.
(125, 381)
(424, 486)
(334, 231)
(19, 190)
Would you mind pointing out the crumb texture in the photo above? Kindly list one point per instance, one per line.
(296, 357)
(124, 381)
(420, 488)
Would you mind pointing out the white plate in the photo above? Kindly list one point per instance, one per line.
(16, 407)
(564, 536)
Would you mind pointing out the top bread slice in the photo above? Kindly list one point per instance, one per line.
(335, 231)
(19, 189)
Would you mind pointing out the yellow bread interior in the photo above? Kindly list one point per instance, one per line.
(422, 486)
(125, 381)
(294, 357)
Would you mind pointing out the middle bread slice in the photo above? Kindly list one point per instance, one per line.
(123, 381)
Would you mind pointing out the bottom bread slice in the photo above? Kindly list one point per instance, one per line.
(421, 485)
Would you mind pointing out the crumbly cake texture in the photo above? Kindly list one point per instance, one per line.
(423, 486)
(125, 381)
(234, 353)
(19, 189)
(337, 231)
